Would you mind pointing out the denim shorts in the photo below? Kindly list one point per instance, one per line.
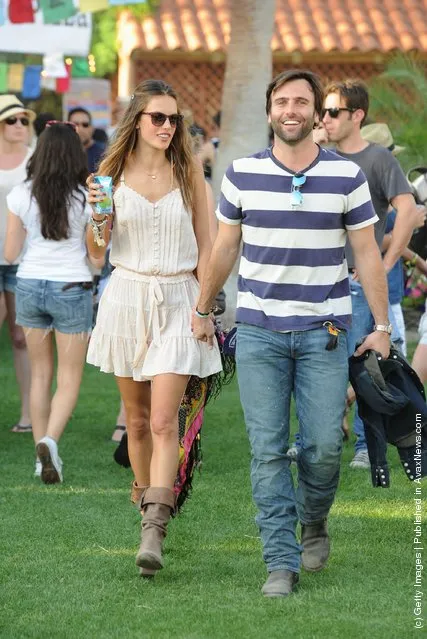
(43, 304)
(8, 277)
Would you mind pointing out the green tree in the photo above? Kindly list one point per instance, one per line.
(104, 36)
(399, 98)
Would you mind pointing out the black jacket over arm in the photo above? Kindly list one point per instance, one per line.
(392, 405)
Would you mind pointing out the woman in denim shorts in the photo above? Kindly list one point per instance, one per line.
(54, 286)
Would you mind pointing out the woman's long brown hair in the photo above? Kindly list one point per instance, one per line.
(57, 171)
(179, 152)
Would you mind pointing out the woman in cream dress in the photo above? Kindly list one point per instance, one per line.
(160, 246)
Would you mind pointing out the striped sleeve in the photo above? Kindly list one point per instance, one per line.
(229, 208)
(360, 210)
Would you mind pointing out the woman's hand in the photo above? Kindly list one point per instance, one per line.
(96, 194)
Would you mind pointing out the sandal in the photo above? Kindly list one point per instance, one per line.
(18, 428)
(118, 433)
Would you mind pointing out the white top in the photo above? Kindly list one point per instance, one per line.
(8, 179)
(59, 261)
(152, 238)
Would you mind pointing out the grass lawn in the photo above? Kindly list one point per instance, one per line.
(67, 552)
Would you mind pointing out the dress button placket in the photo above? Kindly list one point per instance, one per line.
(156, 244)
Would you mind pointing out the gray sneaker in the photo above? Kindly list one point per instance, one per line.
(47, 452)
(280, 583)
(361, 460)
(316, 546)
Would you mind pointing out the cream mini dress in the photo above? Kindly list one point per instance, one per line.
(143, 325)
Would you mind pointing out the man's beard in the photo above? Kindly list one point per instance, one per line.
(295, 137)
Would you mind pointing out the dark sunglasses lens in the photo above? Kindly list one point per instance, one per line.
(11, 121)
(333, 112)
(174, 119)
(158, 119)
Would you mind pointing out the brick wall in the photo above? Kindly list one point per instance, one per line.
(199, 84)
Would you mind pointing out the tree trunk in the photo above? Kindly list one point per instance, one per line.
(243, 120)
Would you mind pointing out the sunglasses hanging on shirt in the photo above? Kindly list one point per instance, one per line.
(296, 196)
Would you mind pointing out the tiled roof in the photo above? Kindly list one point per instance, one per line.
(300, 26)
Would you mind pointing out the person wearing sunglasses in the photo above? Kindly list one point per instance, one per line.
(82, 120)
(344, 112)
(294, 205)
(15, 125)
(49, 213)
(160, 246)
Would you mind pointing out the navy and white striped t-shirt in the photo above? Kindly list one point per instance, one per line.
(293, 273)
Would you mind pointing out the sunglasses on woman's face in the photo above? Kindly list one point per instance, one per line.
(158, 119)
(13, 120)
(50, 123)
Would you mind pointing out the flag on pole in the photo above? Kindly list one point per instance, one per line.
(15, 78)
(56, 10)
(80, 68)
(3, 77)
(54, 66)
(92, 5)
(63, 84)
(32, 82)
(21, 11)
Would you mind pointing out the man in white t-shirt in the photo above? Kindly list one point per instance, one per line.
(15, 126)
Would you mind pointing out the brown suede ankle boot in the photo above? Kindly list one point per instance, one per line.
(158, 505)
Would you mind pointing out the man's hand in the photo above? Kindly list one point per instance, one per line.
(377, 341)
(203, 329)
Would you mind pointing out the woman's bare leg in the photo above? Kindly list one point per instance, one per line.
(166, 395)
(71, 350)
(136, 397)
(41, 351)
(21, 359)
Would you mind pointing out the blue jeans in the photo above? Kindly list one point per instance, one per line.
(44, 304)
(8, 277)
(270, 367)
(363, 324)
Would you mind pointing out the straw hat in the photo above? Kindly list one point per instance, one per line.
(10, 105)
(381, 134)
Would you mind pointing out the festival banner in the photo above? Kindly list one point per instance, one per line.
(71, 36)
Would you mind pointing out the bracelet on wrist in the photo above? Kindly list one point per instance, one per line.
(98, 229)
(197, 313)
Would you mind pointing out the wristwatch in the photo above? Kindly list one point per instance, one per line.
(384, 328)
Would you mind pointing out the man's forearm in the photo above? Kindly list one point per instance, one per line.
(373, 278)
(402, 233)
(216, 273)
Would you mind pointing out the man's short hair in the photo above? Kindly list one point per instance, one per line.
(80, 110)
(296, 74)
(354, 92)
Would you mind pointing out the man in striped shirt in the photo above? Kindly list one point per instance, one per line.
(294, 205)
